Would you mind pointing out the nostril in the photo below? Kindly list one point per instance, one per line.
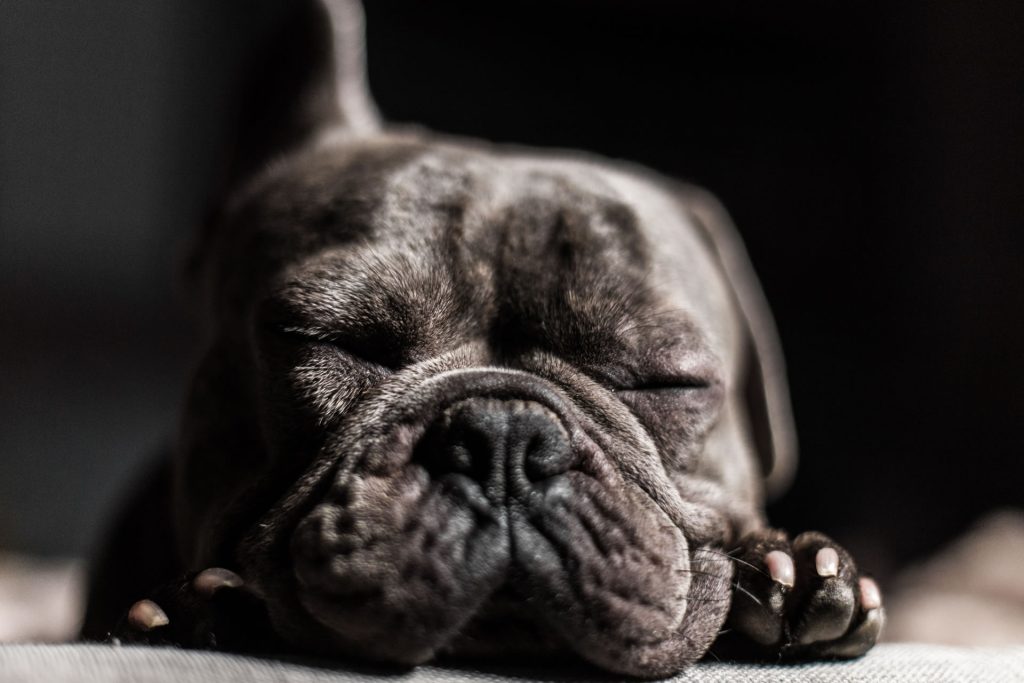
(469, 452)
(546, 452)
(457, 442)
(479, 437)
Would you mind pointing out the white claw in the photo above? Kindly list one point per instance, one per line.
(780, 566)
(827, 562)
(870, 596)
(209, 581)
(146, 615)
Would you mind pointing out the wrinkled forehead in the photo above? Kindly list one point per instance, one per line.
(445, 239)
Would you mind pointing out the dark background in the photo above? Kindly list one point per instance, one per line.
(872, 155)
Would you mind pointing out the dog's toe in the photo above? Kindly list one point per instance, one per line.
(826, 562)
(824, 603)
(765, 574)
(780, 568)
(870, 596)
(836, 614)
(207, 609)
(209, 581)
(859, 640)
(146, 615)
(802, 599)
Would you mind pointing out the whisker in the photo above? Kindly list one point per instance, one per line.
(701, 600)
(701, 573)
(735, 559)
(750, 595)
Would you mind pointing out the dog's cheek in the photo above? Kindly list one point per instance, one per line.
(394, 566)
(610, 568)
(677, 421)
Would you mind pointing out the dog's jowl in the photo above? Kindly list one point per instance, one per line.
(466, 400)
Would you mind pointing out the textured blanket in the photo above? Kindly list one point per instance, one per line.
(95, 663)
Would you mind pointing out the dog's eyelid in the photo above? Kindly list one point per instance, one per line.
(311, 333)
(277, 315)
(363, 353)
(611, 378)
(305, 333)
(341, 343)
(669, 384)
(623, 378)
(686, 374)
(687, 370)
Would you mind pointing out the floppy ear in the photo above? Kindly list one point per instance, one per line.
(306, 74)
(766, 388)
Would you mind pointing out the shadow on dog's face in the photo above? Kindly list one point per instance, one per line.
(470, 400)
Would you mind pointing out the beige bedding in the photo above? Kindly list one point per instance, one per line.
(971, 593)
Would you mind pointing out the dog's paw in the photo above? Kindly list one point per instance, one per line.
(208, 609)
(802, 598)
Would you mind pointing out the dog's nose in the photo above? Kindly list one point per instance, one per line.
(488, 439)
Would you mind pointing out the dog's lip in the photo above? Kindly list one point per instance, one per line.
(470, 493)
(505, 619)
(264, 548)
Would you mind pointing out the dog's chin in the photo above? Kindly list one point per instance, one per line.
(504, 629)
(511, 626)
(586, 566)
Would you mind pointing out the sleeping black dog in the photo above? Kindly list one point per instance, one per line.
(469, 400)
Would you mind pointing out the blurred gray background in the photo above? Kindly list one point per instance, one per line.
(108, 134)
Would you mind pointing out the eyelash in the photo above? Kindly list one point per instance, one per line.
(360, 357)
(347, 348)
(625, 383)
(681, 384)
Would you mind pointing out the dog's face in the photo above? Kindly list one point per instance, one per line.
(468, 400)
(507, 389)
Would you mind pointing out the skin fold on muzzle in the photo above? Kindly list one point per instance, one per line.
(486, 494)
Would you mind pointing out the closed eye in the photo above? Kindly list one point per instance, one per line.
(370, 345)
(652, 379)
(667, 385)
(670, 394)
(677, 411)
(367, 350)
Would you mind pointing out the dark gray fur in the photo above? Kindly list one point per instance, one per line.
(472, 399)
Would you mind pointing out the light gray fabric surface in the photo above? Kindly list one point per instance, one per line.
(95, 663)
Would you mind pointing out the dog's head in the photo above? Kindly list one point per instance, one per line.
(470, 399)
